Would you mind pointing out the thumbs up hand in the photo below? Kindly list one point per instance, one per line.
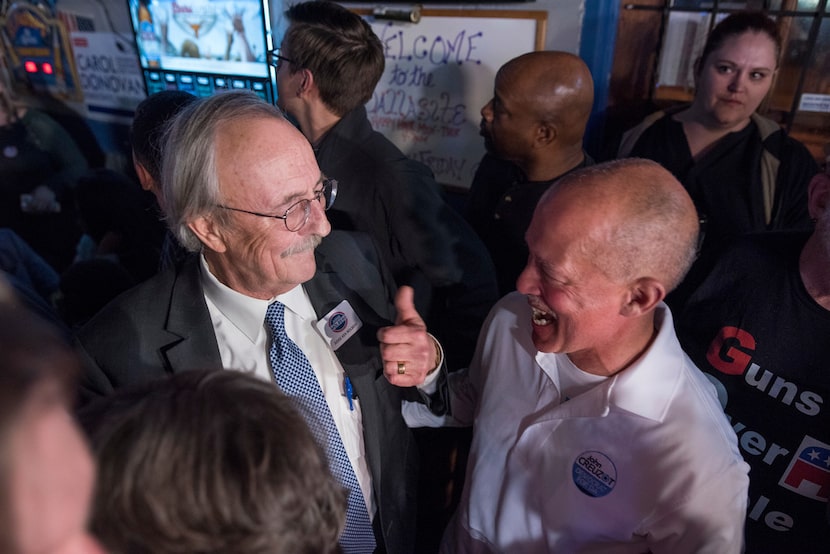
(408, 351)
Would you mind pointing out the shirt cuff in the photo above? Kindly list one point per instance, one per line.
(430, 384)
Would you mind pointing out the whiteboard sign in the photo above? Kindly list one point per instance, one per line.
(439, 74)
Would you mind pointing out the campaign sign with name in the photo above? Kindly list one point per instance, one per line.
(339, 324)
(109, 75)
(594, 473)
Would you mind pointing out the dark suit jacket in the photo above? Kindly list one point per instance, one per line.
(163, 326)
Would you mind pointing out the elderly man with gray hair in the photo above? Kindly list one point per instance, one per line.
(243, 190)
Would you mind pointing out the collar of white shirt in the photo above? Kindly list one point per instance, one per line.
(248, 313)
(645, 388)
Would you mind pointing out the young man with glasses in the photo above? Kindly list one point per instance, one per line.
(328, 65)
(242, 189)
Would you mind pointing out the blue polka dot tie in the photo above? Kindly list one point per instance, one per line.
(296, 378)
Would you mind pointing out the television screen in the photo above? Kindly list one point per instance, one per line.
(202, 45)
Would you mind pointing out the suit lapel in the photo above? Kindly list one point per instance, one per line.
(360, 353)
(360, 358)
(191, 340)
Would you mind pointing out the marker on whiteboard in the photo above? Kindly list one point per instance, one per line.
(412, 16)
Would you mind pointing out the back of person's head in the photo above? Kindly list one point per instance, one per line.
(189, 178)
(339, 48)
(211, 462)
(46, 472)
(737, 24)
(151, 117)
(654, 221)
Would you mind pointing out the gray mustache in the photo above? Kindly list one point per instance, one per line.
(310, 244)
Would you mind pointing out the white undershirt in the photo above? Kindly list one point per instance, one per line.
(244, 341)
(570, 380)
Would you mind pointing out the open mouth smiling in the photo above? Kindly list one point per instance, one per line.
(542, 317)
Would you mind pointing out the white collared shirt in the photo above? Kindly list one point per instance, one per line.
(244, 341)
(644, 460)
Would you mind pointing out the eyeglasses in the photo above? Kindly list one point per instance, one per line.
(274, 58)
(298, 213)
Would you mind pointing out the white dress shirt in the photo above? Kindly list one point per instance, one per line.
(244, 342)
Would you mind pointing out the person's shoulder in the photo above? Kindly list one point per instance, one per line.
(777, 141)
(774, 245)
(346, 245)
(757, 253)
(511, 310)
(354, 151)
(741, 275)
(354, 257)
(38, 123)
(697, 406)
(150, 296)
(355, 133)
(632, 137)
(495, 172)
(33, 116)
(350, 265)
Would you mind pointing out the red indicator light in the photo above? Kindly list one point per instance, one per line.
(30, 66)
(46, 68)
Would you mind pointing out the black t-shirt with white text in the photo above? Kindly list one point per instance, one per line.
(765, 343)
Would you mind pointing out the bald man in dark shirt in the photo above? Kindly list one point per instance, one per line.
(532, 128)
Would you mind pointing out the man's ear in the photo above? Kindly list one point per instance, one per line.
(306, 81)
(643, 296)
(818, 195)
(546, 133)
(209, 232)
(144, 177)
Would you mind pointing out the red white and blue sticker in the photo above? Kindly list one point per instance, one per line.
(809, 471)
(594, 473)
(339, 324)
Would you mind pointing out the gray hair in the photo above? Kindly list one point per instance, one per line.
(189, 178)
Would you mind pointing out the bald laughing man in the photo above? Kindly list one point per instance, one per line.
(593, 431)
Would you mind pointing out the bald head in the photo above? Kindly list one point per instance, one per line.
(556, 86)
(640, 220)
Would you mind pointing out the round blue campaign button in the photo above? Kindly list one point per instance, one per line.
(594, 473)
(338, 322)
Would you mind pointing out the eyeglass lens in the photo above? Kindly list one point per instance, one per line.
(276, 59)
(297, 215)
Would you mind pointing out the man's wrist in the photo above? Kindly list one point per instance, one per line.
(439, 354)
